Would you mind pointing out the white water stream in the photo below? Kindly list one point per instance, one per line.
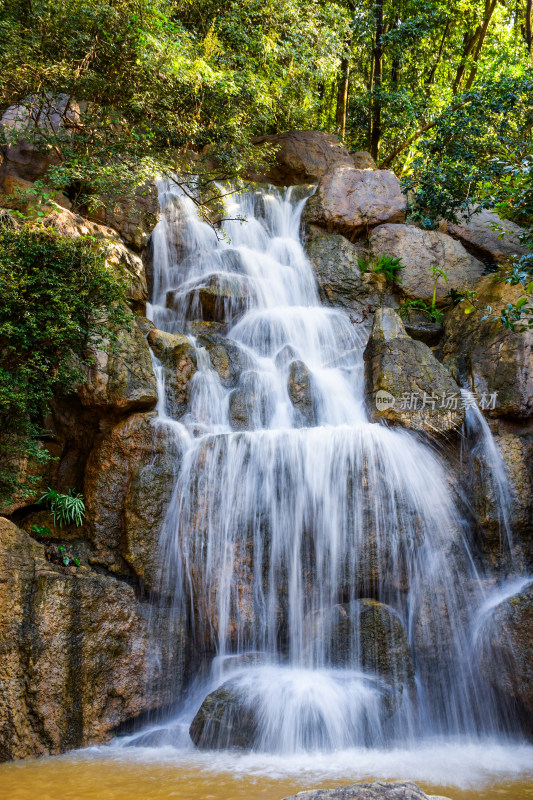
(289, 520)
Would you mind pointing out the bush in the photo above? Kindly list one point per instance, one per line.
(58, 297)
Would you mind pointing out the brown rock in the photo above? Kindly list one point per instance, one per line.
(129, 479)
(350, 201)
(507, 641)
(479, 236)
(133, 219)
(121, 379)
(300, 388)
(363, 160)
(178, 357)
(218, 298)
(405, 384)
(302, 157)
(340, 282)
(419, 252)
(74, 653)
(488, 358)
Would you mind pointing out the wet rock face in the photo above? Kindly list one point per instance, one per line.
(250, 404)
(481, 237)
(224, 720)
(301, 393)
(487, 357)
(420, 251)
(366, 634)
(134, 220)
(129, 479)
(340, 282)
(350, 201)
(178, 357)
(227, 358)
(405, 384)
(218, 298)
(507, 642)
(74, 648)
(121, 378)
(303, 157)
(369, 791)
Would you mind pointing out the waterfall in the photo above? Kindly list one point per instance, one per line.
(321, 563)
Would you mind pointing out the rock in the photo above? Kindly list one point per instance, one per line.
(506, 659)
(405, 384)
(34, 476)
(129, 479)
(395, 790)
(75, 653)
(363, 160)
(120, 380)
(227, 358)
(224, 720)
(478, 235)
(217, 298)
(300, 388)
(340, 282)
(350, 201)
(516, 450)
(178, 356)
(419, 252)
(428, 332)
(135, 218)
(120, 258)
(250, 403)
(21, 195)
(26, 126)
(302, 157)
(366, 634)
(488, 358)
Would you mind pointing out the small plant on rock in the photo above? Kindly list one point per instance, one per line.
(66, 509)
(385, 265)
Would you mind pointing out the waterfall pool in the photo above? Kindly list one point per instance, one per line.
(460, 771)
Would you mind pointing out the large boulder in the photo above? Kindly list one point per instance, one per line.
(120, 378)
(75, 653)
(133, 218)
(27, 125)
(302, 157)
(507, 642)
(494, 362)
(419, 252)
(340, 282)
(129, 479)
(405, 384)
(350, 201)
(224, 720)
(482, 234)
(220, 298)
(405, 790)
(178, 357)
(366, 634)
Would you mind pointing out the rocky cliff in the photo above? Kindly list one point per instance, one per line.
(77, 659)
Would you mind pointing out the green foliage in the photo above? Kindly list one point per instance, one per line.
(59, 296)
(41, 530)
(384, 265)
(433, 313)
(66, 509)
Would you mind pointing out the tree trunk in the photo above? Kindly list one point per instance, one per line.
(378, 73)
(490, 6)
(526, 28)
(431, 77)
(342, 88)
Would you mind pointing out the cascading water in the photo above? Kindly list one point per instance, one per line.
(320, 562)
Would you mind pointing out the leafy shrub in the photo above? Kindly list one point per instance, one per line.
(59, 296)
(385, 265)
